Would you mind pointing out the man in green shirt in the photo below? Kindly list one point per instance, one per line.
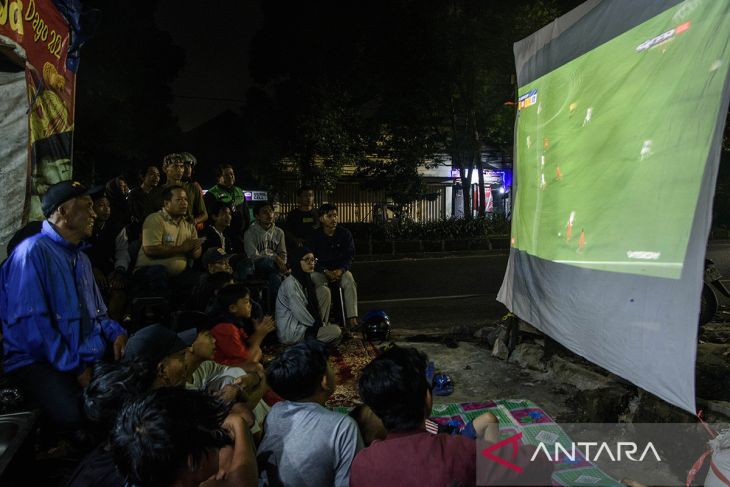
(230, 195)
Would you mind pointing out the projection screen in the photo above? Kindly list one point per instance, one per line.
(621, 110)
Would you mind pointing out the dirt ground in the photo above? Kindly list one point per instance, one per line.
(478, 376)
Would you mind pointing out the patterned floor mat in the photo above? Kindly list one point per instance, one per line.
(517, 415)
(348, 360)
(536, 425)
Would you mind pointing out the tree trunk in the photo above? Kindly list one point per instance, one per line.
(465, 174)
(482, 202)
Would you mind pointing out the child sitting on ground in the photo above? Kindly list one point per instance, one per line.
(185, 359)
(396, 386)
(231, 384)
(306, 444)
(484, 427)
(241, 327)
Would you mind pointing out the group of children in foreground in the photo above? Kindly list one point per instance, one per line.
(170, 415)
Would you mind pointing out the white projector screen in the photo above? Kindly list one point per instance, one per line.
(621, 113)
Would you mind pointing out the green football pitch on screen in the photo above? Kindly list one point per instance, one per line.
(611, 147)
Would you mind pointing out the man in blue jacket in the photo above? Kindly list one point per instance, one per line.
(54, 321)
(334, 249)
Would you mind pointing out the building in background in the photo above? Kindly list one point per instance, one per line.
(358, 204)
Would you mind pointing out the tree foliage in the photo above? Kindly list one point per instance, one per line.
(448, 71)
(392, 85)
(123, 94)
(300, 61)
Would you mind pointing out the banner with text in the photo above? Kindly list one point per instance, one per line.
(35, 37)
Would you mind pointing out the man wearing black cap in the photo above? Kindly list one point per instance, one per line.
(54, 320)
(186, 358)
(164, 350)
(216, 260)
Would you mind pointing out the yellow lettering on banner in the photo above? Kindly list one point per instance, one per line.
(40, 28)
(54, 46)
(15, 14)
(3, 12)
(30, 11)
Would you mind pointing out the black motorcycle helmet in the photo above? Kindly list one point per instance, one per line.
(376, 326)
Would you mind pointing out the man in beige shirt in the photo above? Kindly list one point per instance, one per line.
(169, 244)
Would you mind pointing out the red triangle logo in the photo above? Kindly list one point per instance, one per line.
(512, 440)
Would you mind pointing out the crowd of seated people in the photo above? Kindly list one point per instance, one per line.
(184, 398)
(164, 238)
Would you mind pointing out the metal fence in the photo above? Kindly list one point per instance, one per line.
(356, 204)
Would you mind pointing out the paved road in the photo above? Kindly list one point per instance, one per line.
(445, 291)
(433, 292)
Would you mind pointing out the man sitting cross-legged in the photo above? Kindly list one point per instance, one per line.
(306, 444)
(232, 384)
(395, 386)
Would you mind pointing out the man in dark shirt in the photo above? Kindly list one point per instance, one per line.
(217, 230)
(108, 251)
(218, 234)
(139, 202)
(334, 248)
(302, 221)
(226, 192)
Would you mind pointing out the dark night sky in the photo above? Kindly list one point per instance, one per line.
(215, 35)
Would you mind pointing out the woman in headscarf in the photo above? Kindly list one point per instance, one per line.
(302, 309)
